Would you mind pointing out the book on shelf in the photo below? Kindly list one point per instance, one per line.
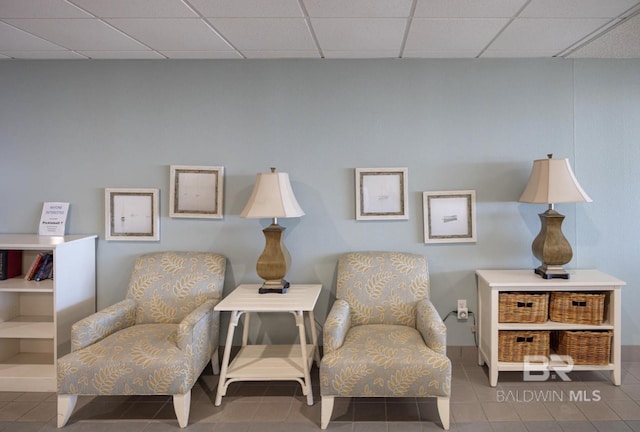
(35, 265)
(10, 263)
(45, 270)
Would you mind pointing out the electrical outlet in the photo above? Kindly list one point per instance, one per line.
(463, 311)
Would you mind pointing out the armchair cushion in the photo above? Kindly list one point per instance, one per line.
(385, 360)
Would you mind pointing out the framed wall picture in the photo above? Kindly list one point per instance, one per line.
(381, 193)
(196, 191)
(449, 216)
(132, 214)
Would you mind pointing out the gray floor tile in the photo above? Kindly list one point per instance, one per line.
(611, 426)
(577, 426)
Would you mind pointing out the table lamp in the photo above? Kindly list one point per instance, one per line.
(552, 181)
(272, 197)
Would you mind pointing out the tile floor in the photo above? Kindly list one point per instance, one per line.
(513, 406)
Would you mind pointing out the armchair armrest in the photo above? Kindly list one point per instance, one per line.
(431, 326)
(101, 324)
(336, 326)
(200, 321)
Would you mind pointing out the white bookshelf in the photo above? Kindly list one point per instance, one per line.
(36, 317)
(492, 282)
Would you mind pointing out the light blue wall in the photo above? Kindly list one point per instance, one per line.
(69, 129)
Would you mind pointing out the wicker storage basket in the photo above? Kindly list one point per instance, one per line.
(584, 347)
(577, 307)
(514, 345)
(519, 307)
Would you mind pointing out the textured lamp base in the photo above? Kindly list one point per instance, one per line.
(274, 287)
(551, 272)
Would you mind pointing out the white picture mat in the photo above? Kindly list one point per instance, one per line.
(132, 214)
(381, 193)
(449, 216)
(196, 191)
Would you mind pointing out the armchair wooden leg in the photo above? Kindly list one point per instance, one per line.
(215, 362)
(443, 411)
(326, 410)
(182, 404)
(66, 404)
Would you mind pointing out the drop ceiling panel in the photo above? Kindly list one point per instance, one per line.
(361, 54)
(576, 8)
(45, 55)
(266, 33)
(107, 55)
(79, 34)
(136, 9)
(358, 8)
(440, 54)
(545, 34)
(622, 41)
(468, 8)
(248, 8)
(177, 34)
(266, 54)
(40, 9)
(357, 34)
(201, 54)
(452, 34)
(15, 39)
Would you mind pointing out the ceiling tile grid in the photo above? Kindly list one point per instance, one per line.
(260, 29)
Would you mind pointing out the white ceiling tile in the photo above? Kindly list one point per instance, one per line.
(44, 55)
(440, 53)
(79, 34)
(248, 8)
(358, 8)
(179, 34)
(39, 9)
(356, 34)
(452, 34)
(107, 55)
(364, 54)
(136, 8)
(468, 8)
(545, 33)
(576, 8)
(266, 33)
(18, 40)
(490, 53)
(266, 54)
(622, 41)
(201, 54)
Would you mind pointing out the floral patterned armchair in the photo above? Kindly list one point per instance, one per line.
(155, 342)
(383, 337)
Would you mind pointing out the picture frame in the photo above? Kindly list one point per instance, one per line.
(132, 214)
(381, 193)
(449, 216)
(196, 191)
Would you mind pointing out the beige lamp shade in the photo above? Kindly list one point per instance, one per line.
(553, 181)
(272, 197)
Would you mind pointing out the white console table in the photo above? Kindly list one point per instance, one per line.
(270, 362)
(492, 282)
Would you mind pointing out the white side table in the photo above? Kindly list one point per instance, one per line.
(270, 362)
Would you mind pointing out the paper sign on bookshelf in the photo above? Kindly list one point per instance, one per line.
(53, 219)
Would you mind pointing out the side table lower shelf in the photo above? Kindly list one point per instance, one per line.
(269, 363)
